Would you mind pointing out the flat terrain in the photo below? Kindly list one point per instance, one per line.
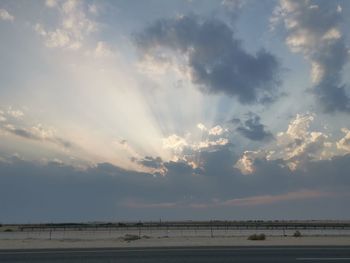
(173, 234)
(182, 254)
(172, 242)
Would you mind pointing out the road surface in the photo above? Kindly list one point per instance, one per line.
(183, 255)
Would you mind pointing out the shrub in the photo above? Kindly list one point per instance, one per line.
(297, 234)
(129, 237)
(257, 237)
(8, 230)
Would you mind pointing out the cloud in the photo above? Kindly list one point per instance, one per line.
(74, 26)
(344, 143)
(299, 126)
(217, 62)
(12, 122)
(251, 201)
(209, 143)
(271, 199)
(154, 165)
(174, 142)
(37, 133)
(51, 3)
(254, 130)
(246, 163)
(17, 114)
(201, 126)
(103, 50)
(137, 205)
(191, 146)
(94, 9)
(218, 161)
(5, 15)
(298, 145)
(233, 4)
(152, 162)
(56, 192)
(313, 29)
(2, 116)
(217, 130)
(233, 8)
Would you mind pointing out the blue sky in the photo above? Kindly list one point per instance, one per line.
(128, 110)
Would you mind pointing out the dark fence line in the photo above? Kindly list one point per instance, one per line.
(198, 225)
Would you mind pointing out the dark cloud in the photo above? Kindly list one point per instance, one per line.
(315, 30)
(253, 129)
(219, 162)
(218, 62)
(330, 92)
(149, 161)
(179, 168)
(57, 192)
(23, 133)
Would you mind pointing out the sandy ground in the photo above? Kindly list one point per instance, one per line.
(173, 242)
(168, 238)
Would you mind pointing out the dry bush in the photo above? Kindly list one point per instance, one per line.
(297, 234)
(257, 237)
(129, 237)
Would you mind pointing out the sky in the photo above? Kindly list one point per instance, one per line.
(174, 110)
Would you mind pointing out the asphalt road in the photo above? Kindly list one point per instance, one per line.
(183, 255)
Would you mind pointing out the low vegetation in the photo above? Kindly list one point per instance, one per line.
(129, 237)
(297, 234)
(257, 237)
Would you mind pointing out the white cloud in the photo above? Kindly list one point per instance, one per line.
(73, 29)
(15, 113)
(332, 33)
(246, 163)
(189, 147)
(344, 143)
(298, 127)
(201, 126)
(51, 3)
(42, 132)
(217, 130)
(103, 50)
(298, 144)
(312, 148)
(5, 15)
(162, 64)
(57, 38)
(317, 72)
(295, 146)
(174, 142)
(208, 143)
